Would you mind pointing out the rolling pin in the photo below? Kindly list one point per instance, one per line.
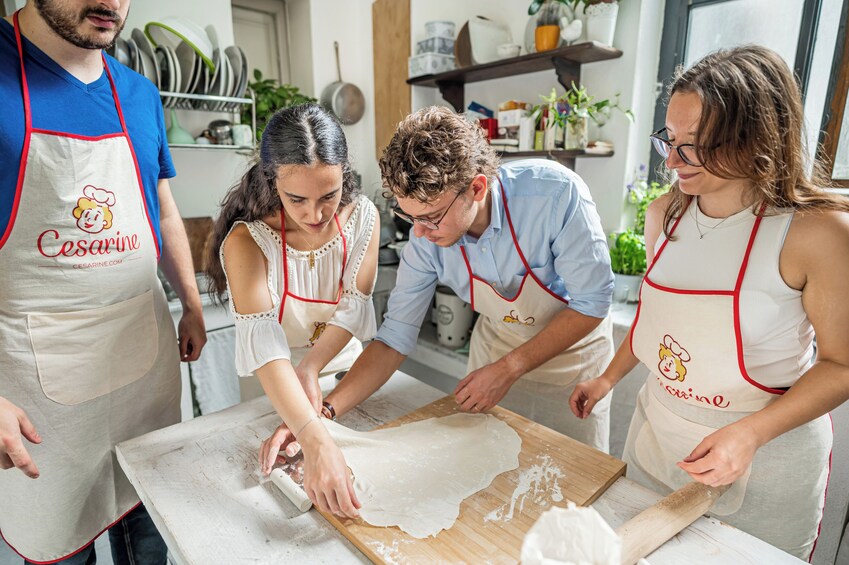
(652, 527)
(291, 489)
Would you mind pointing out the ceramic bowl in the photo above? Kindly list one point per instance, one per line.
(509, 50)
(172, 30)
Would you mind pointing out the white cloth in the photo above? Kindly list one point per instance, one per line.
(260, 338)
(213, 375)
(691, 341)
(87, 346)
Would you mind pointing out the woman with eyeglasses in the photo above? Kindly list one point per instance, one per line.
(749, 258)
(295, 249)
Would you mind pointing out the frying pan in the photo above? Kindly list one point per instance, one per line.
(344, 99)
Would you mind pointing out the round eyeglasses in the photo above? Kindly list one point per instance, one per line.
(429, 224)
(687, 151)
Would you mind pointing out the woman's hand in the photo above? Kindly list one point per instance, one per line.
(309, 380)
(723, 456)
(587, 394)
(327, 480)
(281, 439)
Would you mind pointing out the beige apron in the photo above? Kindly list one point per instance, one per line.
(692, 343)
(88, 347)
(542, 394)
(306, 318)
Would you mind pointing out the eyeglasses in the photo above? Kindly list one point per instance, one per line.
(687, 151)
(431, 225)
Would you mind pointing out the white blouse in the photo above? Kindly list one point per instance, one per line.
(259, 337)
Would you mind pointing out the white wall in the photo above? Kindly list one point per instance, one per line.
(633, 75)
(349, 23)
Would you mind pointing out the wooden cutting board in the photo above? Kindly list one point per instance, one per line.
(486, 529)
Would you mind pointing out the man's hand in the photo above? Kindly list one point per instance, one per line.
(191, 332)
(14, 424)
(483, 388)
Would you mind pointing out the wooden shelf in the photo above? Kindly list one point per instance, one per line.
(567, 157)
(566, 61)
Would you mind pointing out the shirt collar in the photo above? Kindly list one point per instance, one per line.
(496, 213)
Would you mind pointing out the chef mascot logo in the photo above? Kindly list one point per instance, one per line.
(672, 359)
(93, 211)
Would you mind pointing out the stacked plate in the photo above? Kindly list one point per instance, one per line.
(180, 57)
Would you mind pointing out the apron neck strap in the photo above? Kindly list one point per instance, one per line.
(512, 231)
(25, 88)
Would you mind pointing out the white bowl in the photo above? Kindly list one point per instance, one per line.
(485, 36)
(509, 50)
(172, 30)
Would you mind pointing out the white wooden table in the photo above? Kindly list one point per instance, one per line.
(200, 482)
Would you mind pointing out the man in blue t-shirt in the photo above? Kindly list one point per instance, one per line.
(88, 352)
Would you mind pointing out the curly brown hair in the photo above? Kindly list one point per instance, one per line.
(751, 127)
(432, 151)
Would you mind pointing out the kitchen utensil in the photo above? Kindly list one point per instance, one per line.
(176, 134)
(146, 49)
(172, 30)
(652, 527)
(120, 51)
(429, 64)
(486, 530)
(343, 99)
(222, 132)
(289, 478)
(463, 48)
(453, 318)
(486, 35)
(242, 135)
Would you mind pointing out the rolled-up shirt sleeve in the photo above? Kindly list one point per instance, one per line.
(581, 256)
(410, 300)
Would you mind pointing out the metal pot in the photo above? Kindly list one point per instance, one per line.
(344, 99)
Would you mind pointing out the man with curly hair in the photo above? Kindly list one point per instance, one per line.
(522, 242)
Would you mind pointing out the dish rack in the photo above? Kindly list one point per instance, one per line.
(210, 103)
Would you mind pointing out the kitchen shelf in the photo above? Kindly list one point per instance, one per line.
(209, 103)
(566, 61)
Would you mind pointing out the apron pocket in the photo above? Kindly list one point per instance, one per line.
(666, 438)
(86, 354)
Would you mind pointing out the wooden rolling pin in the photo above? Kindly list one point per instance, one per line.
(652, 527)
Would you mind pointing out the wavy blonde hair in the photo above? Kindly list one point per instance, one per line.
(751, 127)
(432, 151)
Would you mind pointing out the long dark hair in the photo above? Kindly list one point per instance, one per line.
(300, 135)
(751, 127)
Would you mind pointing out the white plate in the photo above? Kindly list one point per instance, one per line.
(134, 55)
(234, 56)
(146, 48)
(244, 76)
(485, 36)
(187, 60)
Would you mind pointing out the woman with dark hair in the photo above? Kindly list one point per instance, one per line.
(295, 248)
(749, 258)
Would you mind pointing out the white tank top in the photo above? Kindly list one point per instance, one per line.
(777, 334)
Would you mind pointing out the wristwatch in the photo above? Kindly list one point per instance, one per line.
(328, 411)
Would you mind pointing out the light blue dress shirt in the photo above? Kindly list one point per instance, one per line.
(558, 230)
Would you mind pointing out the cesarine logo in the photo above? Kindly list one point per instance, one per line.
(93, 215)
(93, 211)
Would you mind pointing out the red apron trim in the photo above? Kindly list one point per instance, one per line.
(286, 268)
(88, 543)
(471, 277)
(77, 136)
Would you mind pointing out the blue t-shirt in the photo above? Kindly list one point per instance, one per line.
(61, 102)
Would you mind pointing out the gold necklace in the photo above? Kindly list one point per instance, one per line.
(710, 228)
(311, 256)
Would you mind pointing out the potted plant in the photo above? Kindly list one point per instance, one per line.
(601, 20)
(271, 96)
(581, 107)
(628, 248)
(547, 32)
